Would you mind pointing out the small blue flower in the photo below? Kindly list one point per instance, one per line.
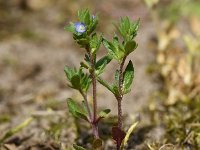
(80, 27)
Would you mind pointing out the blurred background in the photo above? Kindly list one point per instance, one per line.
(34, 48)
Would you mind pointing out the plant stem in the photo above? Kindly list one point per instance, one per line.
(95, 130)
(94, 87)
(120, 97)
(87, 104)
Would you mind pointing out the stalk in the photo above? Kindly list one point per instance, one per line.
(94, 87)
(93, 124)
(120, 97)
(87, 105)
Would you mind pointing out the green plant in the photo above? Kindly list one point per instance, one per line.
(90, 70)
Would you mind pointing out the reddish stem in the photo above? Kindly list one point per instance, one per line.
(120, 97)
(94, 87)
(87, 105)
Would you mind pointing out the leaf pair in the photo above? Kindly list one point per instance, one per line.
(78, 79)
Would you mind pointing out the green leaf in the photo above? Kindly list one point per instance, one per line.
(115, 41)
(97, 144)
(128, 76)
(124, 26)
(76, 110)
(117, 77)
(78, 79)
(105, 84)
(130, 130)
(69, 72)
(104, 113)
(110, 47)
(116, 90)
(70, 27)
(87, 18)
(75, 80)
(93, 24)
(82, 41)
(134, 28)
(81, 15)
(95, 43)
(115, 50)
(101, 64)
(84, 106)
(130, 46)
(76, 147)
(127, 28)
(84, 65)
(85, 82)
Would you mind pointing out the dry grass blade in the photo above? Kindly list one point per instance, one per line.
(16, 129)
(130, 130)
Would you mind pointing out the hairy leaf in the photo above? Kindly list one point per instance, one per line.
(70, 27)
(111, 48)
(101, 64)
(105, 84)
(75, 80)
(76, 110)
(127, 28)
(115, 50)
(87, 18)
(115, 89)
(128, 76)
(104, 113)
(69, 72)
(95, 43)
(117, 77)
(130, 46)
